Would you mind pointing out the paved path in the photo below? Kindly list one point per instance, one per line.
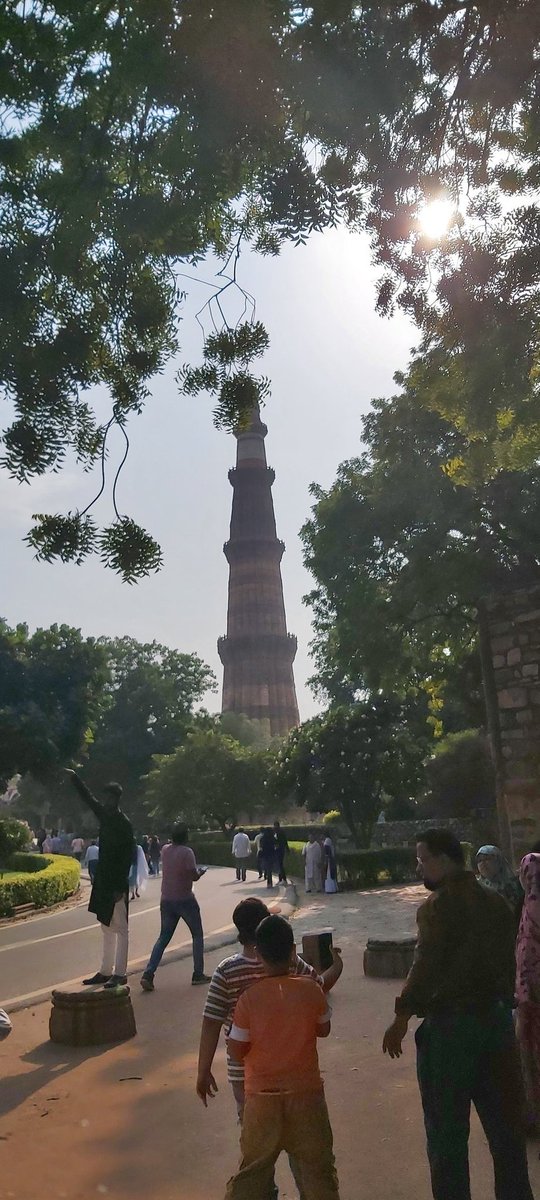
(64, 946)
(124, 1122)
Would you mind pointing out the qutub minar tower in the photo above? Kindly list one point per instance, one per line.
(257, 653)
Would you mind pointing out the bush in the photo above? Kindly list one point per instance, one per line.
(14, 835)
(50, 881)
(218, 854)
(333, 817)
(368, 868)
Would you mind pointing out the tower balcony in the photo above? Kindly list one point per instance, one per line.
(264, 476)
(254, 548)
(277, 646)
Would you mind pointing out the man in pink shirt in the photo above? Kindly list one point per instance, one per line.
(179, 873)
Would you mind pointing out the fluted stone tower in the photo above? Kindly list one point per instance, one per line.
(257, 653)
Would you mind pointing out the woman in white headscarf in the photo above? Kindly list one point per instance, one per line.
(496, 874)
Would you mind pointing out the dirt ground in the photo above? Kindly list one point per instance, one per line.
(125, 1122)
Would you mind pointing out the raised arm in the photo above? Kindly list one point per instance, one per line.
(332, 974)
(85, 794)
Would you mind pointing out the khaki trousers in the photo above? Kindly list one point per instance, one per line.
(293, 1121)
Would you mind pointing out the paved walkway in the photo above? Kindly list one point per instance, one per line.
(124, 1122)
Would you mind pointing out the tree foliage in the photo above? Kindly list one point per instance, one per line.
(210, 780)
(351, 759)
(147, 709)
(401, 553)
(460, 776)
(51, 685)
(137, 137)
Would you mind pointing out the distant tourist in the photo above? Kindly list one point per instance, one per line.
(56, 842)
(241, 849)
(329, 866)
(77, 847)
(313, 855)
(179, 873)
(91, 860)
(282, 848)
(40, 838)
(274, 1034)
(154, 854)
(528, 986)
(47, 844)
(496, 874)
(268, 855)
(257, 840)
(138, 873)
(462, 984)
(109, 895)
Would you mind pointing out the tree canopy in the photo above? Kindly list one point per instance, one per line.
(401, 553)
(136, 137)
(210, 780)
(351, 759)
(51, 685)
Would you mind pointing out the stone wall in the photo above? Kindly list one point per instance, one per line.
(406, 833)
(514, 627)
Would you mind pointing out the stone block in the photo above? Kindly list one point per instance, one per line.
(523, 639)
(91, 1018)
(533, 615)
(534, 695)
(499, 627)
(499, 660)
(514, 656)
(513, 697)
(524, 716)
(502, 643)
(389, 959)
(516, 733)
(531, 655)
(525, 785)
(530, 669)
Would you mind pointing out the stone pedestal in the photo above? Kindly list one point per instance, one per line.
(389, 959)
(91, 1018)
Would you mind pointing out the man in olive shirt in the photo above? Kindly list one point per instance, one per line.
(462, 983)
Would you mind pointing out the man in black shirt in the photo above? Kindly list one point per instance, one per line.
(462, 983)
(109, 895)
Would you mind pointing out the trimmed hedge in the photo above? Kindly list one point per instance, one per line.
(218, 854)
(50, 879)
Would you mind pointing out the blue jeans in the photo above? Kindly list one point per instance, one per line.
(172, 911)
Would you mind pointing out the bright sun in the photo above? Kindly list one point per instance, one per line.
(434, 219)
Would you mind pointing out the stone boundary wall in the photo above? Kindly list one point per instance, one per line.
(514, 627)
(406, 833)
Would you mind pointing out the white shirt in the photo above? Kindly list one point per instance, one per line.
(92, 854)
(77, 845)
(241, 846)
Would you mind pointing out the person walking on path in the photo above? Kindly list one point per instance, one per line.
(241, 848)
(91, 860)
(109, 895)
(77, 847)
(268, 855)
(179, 873)
(138, 873)
(274, 1033)
(154, 852)
(257, 842)
(282, 847)
(313, 855)
(462, 984)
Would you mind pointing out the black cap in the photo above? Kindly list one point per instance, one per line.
(113, 789)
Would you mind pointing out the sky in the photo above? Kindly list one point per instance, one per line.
(329, 356)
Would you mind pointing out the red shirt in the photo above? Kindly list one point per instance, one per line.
(279, 1016)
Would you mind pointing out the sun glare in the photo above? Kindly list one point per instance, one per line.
(434, 219)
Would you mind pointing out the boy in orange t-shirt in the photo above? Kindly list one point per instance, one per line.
(275, 1028)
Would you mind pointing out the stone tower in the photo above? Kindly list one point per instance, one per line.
(257, 653)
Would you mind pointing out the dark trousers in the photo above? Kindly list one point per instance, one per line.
(260, 863)
(267, 864)
(241, 871)
(280, 856)
(92, 868)
(464, 1058)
